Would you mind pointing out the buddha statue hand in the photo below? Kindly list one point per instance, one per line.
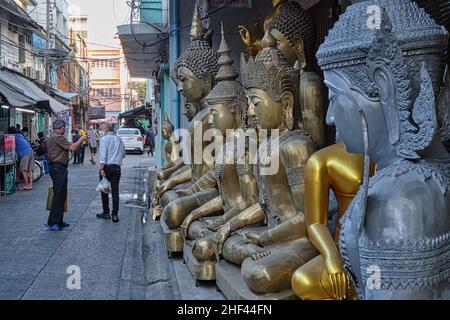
(194, 215)
(221, 236)
(183, 193)
(161, 176)
(252, 237)
(162, 189)
(214, 225)
(339, 280)
(245, 35)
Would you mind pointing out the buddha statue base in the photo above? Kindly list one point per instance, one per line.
(173, 238)
(232, 284)
(200, 270)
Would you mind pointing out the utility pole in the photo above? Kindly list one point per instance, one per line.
(47, 45)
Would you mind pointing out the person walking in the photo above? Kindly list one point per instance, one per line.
(76, 154)
(26, 156)
(150, 141)
(111, 154)
(58, 155)
(93, 139)
(82, 150)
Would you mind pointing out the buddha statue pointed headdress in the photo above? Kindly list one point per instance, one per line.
(227, 89)
(410, 43)
(199, 57)
(270, 72)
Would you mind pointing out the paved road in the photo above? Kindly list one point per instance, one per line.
(127, 260)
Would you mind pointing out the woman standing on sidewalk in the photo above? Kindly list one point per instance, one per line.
(26, 156)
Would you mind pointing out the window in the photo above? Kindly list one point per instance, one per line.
(12, 28)
(22, 57)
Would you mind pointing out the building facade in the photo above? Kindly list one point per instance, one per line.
(108, 81)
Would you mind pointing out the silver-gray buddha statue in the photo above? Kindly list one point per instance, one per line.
(395, 237)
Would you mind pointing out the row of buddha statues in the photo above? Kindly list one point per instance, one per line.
(274, 236)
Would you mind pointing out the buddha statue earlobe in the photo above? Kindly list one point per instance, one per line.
(288, 109)
(301, 54)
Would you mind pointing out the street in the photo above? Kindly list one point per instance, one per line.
(122, 261)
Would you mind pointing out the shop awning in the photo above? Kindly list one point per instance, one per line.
(21, 92)
(68, 96)
(141, 112)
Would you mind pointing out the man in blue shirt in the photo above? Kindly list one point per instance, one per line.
(111, 154)
(26, 156)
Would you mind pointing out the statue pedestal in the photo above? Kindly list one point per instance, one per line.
(173, 238)
(204, 270)
(232, 284)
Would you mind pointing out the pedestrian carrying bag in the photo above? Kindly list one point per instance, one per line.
(50, 200)
(103, 185)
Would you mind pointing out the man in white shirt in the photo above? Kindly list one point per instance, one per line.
(111, 154)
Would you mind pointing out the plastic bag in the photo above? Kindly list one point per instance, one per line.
(103, 185)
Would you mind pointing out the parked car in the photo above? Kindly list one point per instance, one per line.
(132, 139)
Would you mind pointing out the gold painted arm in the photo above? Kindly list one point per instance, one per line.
(248, 217)
(213, 206)
(206, 181)
(317, 192)
(233, 212)
(208, 209)
(293, 228)
(168, 170)
(181, 178)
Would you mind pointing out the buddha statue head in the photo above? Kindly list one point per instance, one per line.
(291, 30)
(167, 129)
(269, 83)
(227, 100)
(196, 68)
(387, 75)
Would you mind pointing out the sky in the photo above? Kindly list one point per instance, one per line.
(103, 18)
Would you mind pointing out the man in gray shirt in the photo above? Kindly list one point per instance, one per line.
(111, 154)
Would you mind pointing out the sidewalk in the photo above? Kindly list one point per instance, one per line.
(33, 261)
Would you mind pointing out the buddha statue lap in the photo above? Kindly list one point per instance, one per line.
(383, 82)
(266, 257)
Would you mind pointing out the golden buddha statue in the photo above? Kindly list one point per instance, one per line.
(336, 169)
(174, 161)
(195, 72)
(264, 258)
(237, 186)
(291, 30)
